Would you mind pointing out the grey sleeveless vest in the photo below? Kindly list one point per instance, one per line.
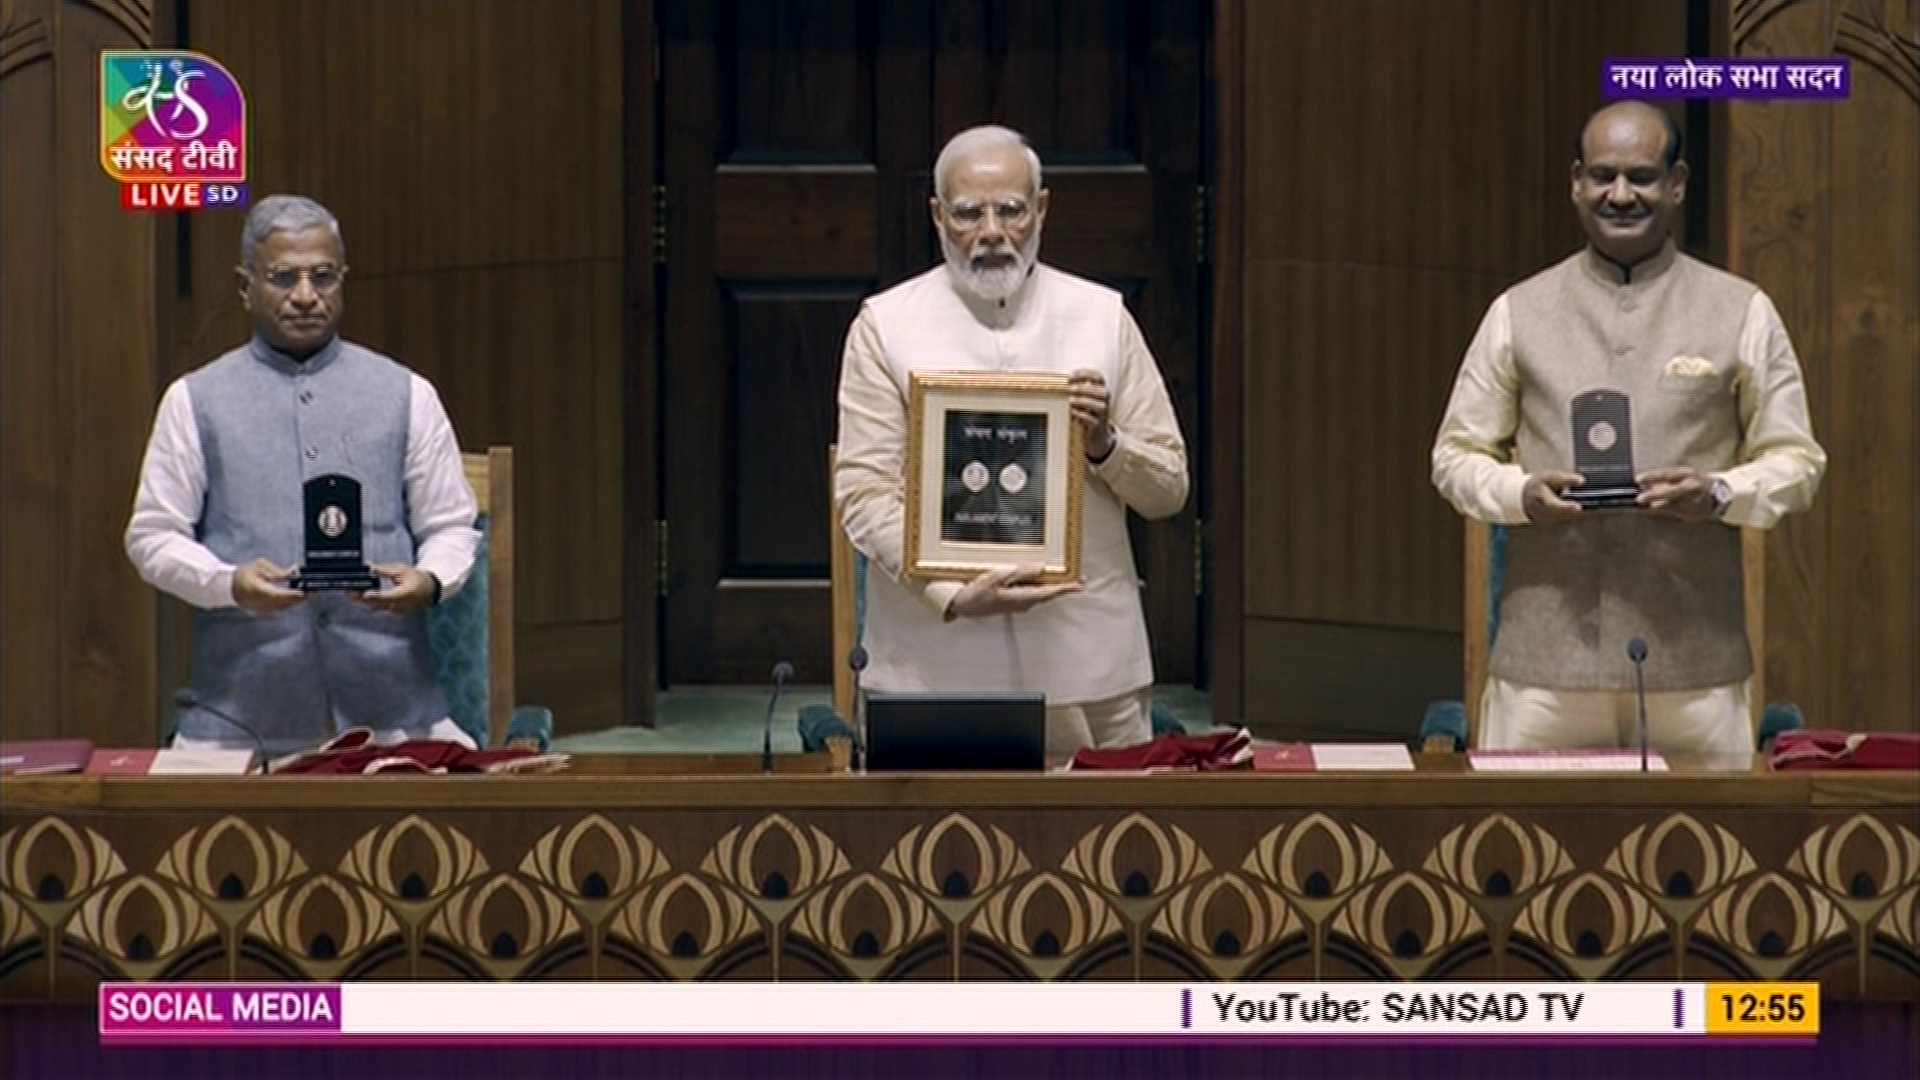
(268, 423)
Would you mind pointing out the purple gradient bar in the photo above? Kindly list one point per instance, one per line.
(1823, 78)
(1858, 1039)
(217, 1013)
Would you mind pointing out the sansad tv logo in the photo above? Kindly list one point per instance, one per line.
(173, 131)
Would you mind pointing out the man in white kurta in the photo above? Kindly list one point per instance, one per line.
(992, 307)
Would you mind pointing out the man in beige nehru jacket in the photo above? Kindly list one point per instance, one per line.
(1719, 430)
(993, 307)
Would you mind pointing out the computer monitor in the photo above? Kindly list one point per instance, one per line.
(951, 732)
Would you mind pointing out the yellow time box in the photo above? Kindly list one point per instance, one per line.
(1763, 1008)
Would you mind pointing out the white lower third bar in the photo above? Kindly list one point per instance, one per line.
(1334, 1010)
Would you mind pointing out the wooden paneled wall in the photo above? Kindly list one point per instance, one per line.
(1390, 166)
(472, 153)
(1399, 163)
(76, 385)
(1823, 211)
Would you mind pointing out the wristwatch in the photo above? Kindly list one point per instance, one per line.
(1722, 493)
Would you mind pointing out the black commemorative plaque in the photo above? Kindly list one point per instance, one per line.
(335, 560)
(1602, 427)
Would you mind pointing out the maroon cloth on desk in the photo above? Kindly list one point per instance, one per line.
(354, 753)
(1204, 753)
(1826, 749)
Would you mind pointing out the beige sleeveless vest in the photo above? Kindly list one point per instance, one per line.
(1576, 593)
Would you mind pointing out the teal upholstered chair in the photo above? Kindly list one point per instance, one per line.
(1455, 725)
(849, 587)
(471, 634)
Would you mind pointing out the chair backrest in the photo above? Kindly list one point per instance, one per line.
(1486, 552)
(471, 634)
(848, 578)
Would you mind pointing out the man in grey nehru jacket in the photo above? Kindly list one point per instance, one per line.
(1720, 432)
(219, 520)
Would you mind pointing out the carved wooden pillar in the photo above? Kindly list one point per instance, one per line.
(1823, 213)
(77, 356)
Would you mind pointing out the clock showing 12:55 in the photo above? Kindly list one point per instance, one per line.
(1763, 1008)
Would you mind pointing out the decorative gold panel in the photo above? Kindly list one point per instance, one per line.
(1204, 893)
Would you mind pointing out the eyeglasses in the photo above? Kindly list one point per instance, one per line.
(1013, 213)
(287, 278)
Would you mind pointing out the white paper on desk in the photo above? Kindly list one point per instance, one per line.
(1563, 761)
(1362, 757)
(201, 761)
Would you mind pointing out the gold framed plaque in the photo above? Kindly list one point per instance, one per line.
(996, 475)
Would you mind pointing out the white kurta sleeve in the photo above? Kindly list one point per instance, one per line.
(1470, 466)
(869, 476)
(441, 509)
(161, 536)
(1147, 465)
(1783, 464)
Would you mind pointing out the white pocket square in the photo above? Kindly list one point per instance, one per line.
(1690, 367)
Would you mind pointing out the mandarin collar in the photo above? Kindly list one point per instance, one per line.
(1608, 272)
(287, 365)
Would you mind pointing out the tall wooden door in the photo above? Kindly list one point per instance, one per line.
(798, 138)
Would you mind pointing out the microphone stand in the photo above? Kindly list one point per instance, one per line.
(1640, 691)
(190, 701)
(857, 660)
(1637, 652)
(782, 671)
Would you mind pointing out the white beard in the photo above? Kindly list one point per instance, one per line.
(990, 284)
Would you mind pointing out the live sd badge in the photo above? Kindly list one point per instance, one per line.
(334, 560)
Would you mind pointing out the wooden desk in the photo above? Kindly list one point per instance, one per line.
(620, 870)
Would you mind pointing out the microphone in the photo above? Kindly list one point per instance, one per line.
(186, 699)
(782, 671)
(857, 660)
(1637, 652)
